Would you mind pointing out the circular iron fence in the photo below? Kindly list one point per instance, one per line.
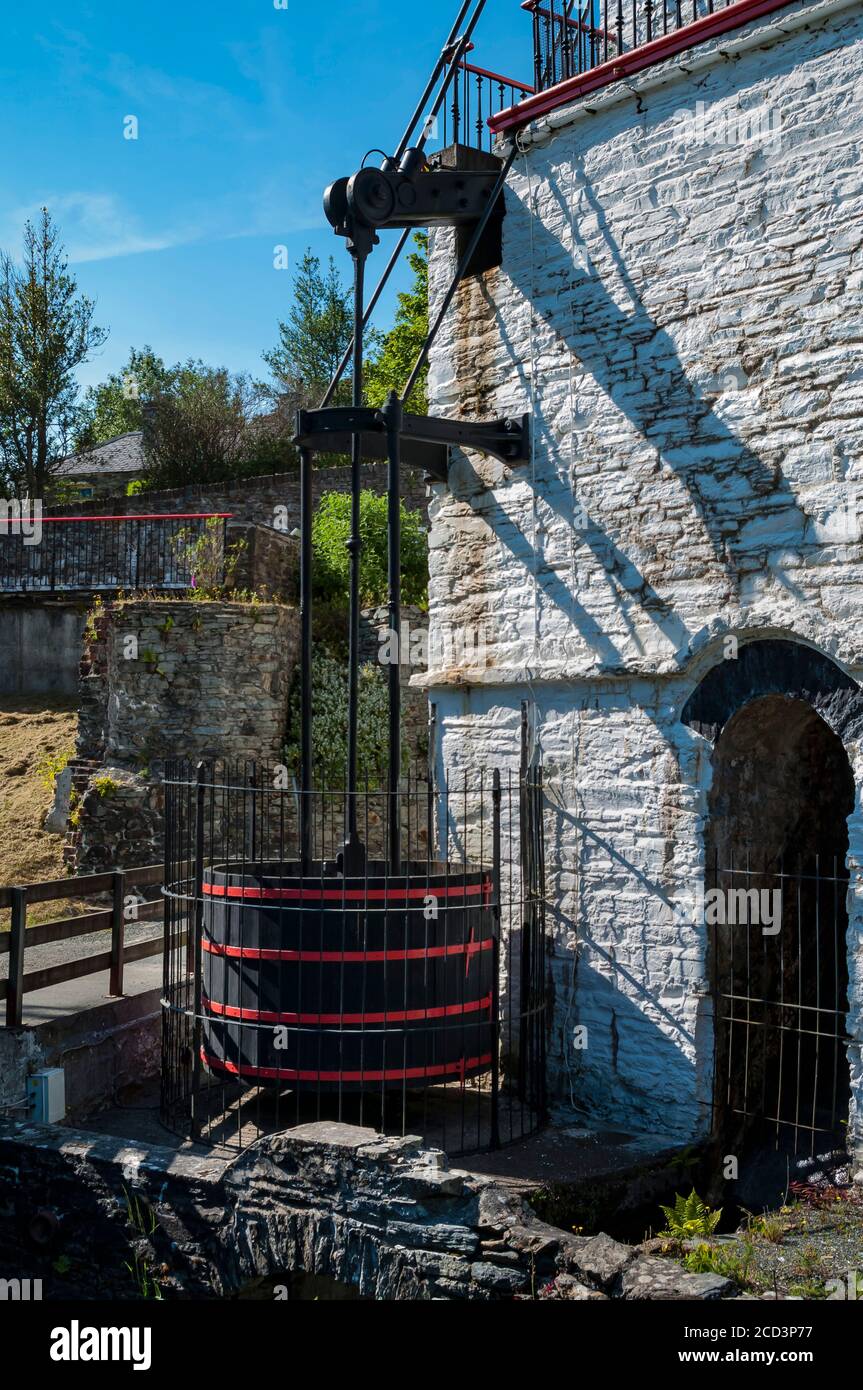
(407, 997)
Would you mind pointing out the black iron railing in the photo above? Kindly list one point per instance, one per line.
(476, 94)
(571, 37)
(84, 554)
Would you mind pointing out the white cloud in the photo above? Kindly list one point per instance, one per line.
(94, 227)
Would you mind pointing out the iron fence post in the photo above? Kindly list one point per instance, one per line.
(494, 1137)
(15, 986)
(118, 933)
(198, 927)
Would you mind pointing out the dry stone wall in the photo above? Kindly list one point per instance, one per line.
(272, 499)
(170, 680)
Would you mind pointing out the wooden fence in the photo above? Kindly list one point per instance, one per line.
(119, 883)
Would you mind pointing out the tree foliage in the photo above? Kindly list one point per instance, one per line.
(330, 723)
(47, 331)
(313, 339)
(116, 406)
(206, 426)
(330, 532)
(394, 354)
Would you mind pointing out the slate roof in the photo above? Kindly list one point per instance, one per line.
(125, 454)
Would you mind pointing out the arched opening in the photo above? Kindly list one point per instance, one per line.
(776, 911)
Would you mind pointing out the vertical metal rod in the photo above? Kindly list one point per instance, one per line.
(118, 934)
(15, 985)
(306, 600)
(198, 909)
(392, 413)
(353, 857)
(494, 1137)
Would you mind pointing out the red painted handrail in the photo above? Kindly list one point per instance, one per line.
(147, 516)
(497, 77)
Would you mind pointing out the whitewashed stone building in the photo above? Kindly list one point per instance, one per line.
(674, 584)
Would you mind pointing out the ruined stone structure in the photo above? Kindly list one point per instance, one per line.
(270, 500)
(673, 584)
(167, 680)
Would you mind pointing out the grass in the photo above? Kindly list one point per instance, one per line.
(35, 734)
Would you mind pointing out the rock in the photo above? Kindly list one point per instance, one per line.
(57, 819)
(567, 1287)
(651, 1278)
(602, 1261)
(499, 1209)
(497, 1279)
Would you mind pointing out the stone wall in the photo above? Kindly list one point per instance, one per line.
(273, 499)
(380, 1216)
(170, 680)
(679, 307)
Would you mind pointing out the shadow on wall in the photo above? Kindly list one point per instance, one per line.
(641, 1060)
(636, 364)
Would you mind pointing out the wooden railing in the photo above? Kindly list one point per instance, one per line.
(119, 883)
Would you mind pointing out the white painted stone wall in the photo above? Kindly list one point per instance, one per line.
(680, 307)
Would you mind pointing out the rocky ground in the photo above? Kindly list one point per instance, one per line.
(810, 1247)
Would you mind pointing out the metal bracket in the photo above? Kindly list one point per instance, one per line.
(426, 440)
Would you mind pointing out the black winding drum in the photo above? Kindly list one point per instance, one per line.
(326, 983)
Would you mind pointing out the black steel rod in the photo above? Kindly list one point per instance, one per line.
(306, 711)
(197, 925)
(372, 305)
(392, 413)
(459, 275)
(461, 45)
(354, 853)
(436, 72)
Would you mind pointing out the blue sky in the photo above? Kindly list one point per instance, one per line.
(245, 113)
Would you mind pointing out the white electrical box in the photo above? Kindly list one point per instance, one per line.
(47, 1092)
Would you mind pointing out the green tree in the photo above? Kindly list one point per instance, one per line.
(393, 357)
(46, 333)
(313, 339)
(330, 531)
(116, 406)
(206, 427)
(330, 723)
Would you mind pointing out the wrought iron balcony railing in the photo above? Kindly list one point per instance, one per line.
(571, 37)
(88, 554)
(476, 94)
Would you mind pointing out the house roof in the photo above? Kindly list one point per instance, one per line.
(125, 454)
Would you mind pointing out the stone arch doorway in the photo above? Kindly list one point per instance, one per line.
(776, 883)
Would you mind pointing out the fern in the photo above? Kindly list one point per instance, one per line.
(690, 1218)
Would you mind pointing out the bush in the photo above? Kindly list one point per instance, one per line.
(330, 724)
(330, 532)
